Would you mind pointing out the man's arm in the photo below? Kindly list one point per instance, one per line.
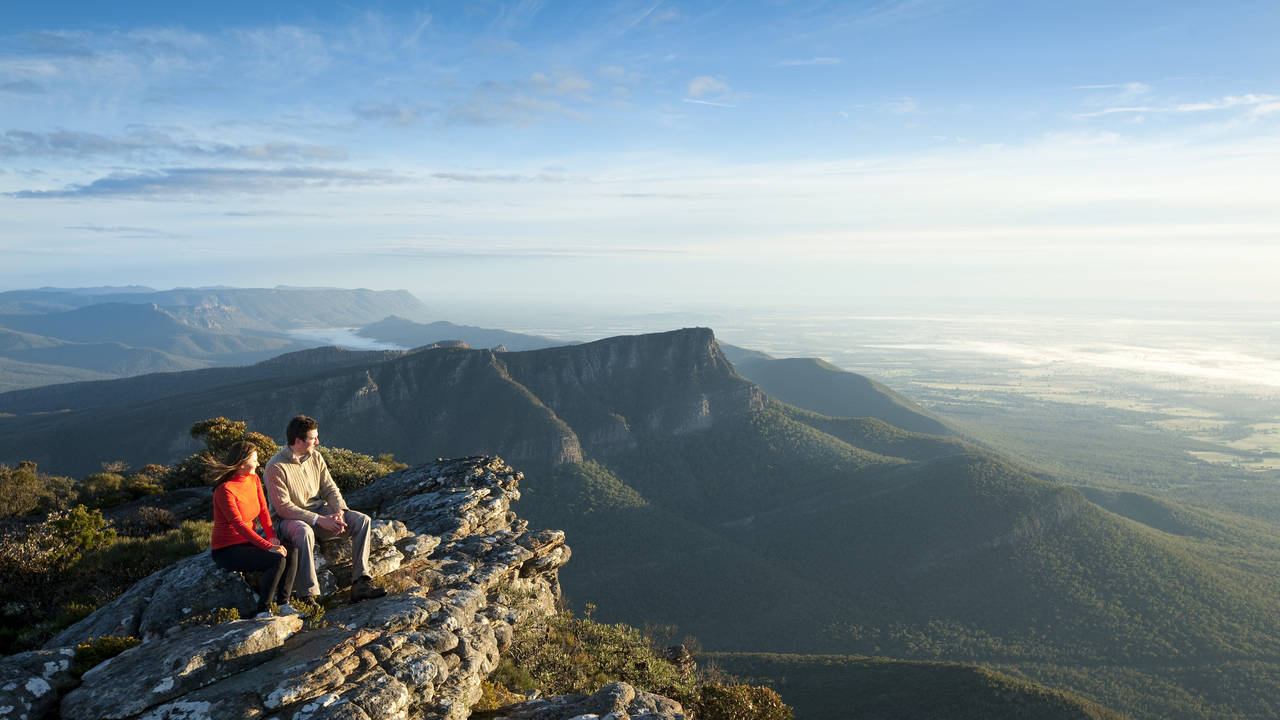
(282, 502)
(328, 488)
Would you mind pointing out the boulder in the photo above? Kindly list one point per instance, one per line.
(31, 682)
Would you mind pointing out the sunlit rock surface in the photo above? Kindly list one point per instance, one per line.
(454, 556)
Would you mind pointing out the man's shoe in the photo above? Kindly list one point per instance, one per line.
(308, 603)
(363, 589)
(285, 609)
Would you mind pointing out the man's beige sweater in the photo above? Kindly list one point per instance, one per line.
(299, 486)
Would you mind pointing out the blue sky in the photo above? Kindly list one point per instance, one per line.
(614, 153)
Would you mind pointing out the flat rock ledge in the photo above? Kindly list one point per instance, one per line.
(463, 573)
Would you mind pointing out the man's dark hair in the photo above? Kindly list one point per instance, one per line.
(299, 427)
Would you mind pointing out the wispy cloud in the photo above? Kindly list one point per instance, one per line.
(707, 85)
(59, 44)
(1133, 88)
(810, 62)
(391, 114)
(1226, 102)
(904, 106)
(77, 144)
(708, 90)
(195, 182)
(22, 87)
(505, 179)
(116, 229)
(493, 103)
(560, 82)
(892, 12)
(708, 102)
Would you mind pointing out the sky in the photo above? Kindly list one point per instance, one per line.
(647, 154)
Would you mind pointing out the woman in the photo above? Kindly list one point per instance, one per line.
(236, 545)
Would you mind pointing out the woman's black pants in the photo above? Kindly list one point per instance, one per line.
(277, 570)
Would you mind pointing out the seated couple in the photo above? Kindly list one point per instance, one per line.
(299, 486)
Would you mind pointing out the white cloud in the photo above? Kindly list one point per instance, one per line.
(904, 106)
(1223, 103)
(810, 62)
(704, 85)
(708, 102)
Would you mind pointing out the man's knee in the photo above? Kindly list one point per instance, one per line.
(298, 532)
(355, 520)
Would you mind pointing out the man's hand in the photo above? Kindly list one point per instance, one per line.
(333, 523)
(279, 550)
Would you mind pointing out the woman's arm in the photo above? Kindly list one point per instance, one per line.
(243, 525)
(264, 517)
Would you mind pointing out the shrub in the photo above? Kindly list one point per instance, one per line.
(77, 531)
(222, 614)
(562, 654)
(739, 702)
(220, 434)
(495, 695)
(101, 490)
(77, 562)
(24, 490)
(147, 520)
(100, 649)
(351, 469)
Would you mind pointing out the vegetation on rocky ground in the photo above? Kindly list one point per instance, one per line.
(99, 649)
(55, 536)
(564, 654)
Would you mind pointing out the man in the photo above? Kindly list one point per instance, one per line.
(299, 487)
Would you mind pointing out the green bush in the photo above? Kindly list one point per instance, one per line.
(79, 563)
(739, 702)
(147, 520)
(101, 490)
(222, 615)
(219, 434)
(351, 469)
(563, 654)
(76, 532)
(97, 650)
(24, 490)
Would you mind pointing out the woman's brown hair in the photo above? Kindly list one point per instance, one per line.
(236, 455)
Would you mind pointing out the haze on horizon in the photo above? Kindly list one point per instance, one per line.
(647, 152)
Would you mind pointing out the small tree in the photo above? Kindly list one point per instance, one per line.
(219, 434)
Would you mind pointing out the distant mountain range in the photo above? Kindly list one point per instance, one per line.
(694, 496)
(409, 334)
(66, 335)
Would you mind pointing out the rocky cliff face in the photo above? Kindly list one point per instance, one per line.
(464, 573)
(612, 391)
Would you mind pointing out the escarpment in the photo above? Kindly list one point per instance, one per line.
(463, 572)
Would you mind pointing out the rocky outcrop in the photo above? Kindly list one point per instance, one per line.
(31, 682)
(615, 390)
(463, 571)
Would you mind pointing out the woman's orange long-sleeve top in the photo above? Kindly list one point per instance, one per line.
(236, 503)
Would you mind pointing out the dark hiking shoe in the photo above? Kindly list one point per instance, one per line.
(308, 603)
(363, 589)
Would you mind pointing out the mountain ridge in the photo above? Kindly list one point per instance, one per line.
(875, 539)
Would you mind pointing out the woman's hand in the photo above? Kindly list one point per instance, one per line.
(279, 549)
